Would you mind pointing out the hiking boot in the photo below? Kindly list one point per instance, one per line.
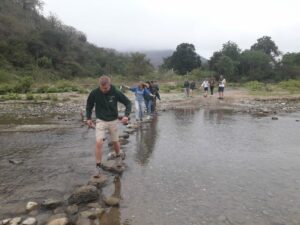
(122, 155)
(111, 155)
(99, 169)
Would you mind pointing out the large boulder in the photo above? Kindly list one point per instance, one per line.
(114, 166)
(83, 194)
(30, 221)
(31, 206)
(98, 180)
(51, 203)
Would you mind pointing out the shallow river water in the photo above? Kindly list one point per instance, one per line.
(185, 167)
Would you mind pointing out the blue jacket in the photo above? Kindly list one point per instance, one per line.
(140, 93)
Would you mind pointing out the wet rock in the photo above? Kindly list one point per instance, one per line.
(30, 221)
(72, 209)
(274, 118)
(297, 120)
(93, 205)
(15, 221)
(51, 203)
(59, 221)
(123, 141)
(98, 180)
(132, 126)
(6, 221)
(129, 131)
(31, 206)
(84, 194)
(124, 136)
(112, 201)
(113, 166)
(14, 161)
(58, 210)
(93, 213)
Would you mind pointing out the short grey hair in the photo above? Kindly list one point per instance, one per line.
(104, 80)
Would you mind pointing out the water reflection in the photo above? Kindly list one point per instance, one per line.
(113, 215)
(184, 115)
(145, 141)
(217, 116)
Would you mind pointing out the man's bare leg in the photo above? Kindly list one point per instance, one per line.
(117, 147)
(98, 152)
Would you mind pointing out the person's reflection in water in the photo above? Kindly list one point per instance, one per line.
(113, 215)
(145, 141)
(185, 116)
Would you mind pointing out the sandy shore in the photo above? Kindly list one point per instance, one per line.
(236, 99)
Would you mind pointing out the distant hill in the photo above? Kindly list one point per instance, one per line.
(157, 56)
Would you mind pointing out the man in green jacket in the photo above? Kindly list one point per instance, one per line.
(105, 99)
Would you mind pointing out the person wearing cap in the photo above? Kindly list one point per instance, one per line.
(105, 98)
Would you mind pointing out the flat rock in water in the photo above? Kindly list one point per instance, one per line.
(5, 221)
(93, 213)
(15, 161)
(129, 131)
(29, 221)
(59, 221)
(274, 118)
(31, 206)
(125, 136)
(84, 194)
(15, 221)
(98, 180)
(112, 201)
(51, 203)
(114, 166)
(71, 209)
(93, 205)
(123, 141)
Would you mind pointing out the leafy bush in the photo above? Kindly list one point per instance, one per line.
(12, 96)
(290, 85)
(29, 96)
(254, 85)
(23, 86)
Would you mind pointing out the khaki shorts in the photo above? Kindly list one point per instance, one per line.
(112, 127)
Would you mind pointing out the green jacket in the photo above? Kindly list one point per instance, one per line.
(106, 104)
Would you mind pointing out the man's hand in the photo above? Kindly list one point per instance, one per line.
(125, 120)
(90, 123)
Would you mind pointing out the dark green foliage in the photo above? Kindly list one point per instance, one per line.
(266, 45)
(30, 42)
(184, 59)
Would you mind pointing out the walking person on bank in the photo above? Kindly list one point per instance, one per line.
(212, 82)
(105, 98)
(205, 85)
(186, 86)
(192, 87)
(222, 83)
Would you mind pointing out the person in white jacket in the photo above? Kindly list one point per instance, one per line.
(222, 83)
(205, 85)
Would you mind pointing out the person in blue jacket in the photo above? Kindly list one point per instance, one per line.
(141, 91)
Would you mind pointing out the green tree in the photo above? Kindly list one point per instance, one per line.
(290, 66)
(231, 50)
(266, 45)
(256, 65)
(184, 59)
(225, 66)
(139, 65)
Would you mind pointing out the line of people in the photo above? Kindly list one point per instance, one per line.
(146, 94)
(189, 87)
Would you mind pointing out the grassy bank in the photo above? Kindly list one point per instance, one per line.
(46, 87)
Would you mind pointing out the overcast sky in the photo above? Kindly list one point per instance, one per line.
(132, 25)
